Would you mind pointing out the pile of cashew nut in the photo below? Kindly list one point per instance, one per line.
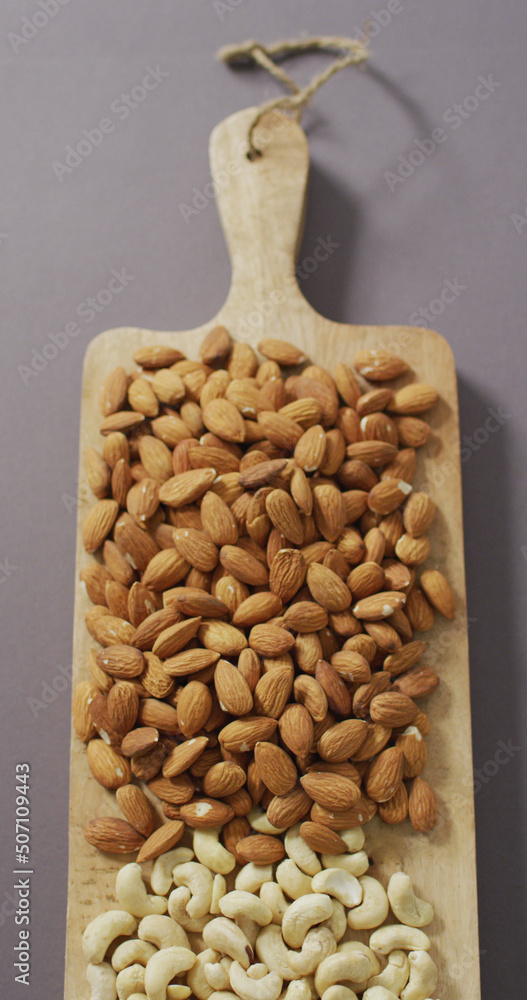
(284, 934)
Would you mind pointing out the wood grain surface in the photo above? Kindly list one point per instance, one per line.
(261, 205)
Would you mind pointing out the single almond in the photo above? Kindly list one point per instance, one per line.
(286, 810)
(161, 840)
(272, 692)
(439, 592)
(413, 398)
(423, 806)
(385, 775)
(98, 523)
(136, 808)
(113, 835)
(183, 756)
(332, 791)
(296, 729)
(242, 735)
(261, 849)
(380, 605)
(223, 779)
(275, 768)
(341, 741)
(204, 813)
(233, 692)
(327, 588)
(321, 839)
(108, 767)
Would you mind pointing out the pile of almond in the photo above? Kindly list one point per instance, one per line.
(257, 544)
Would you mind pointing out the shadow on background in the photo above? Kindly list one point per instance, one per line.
(491, 553)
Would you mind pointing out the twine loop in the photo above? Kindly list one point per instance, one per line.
(352, 52)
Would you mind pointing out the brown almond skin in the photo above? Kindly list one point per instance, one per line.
(275, 767)
(204, 813)
(335, 792)
(385, 775)
(161, 840)
(261, 849)
(321, 839)
(286, 810)
(113, 835)
(423, 806)
(136, 808)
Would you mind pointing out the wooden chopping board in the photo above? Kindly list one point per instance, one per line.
(261, 204)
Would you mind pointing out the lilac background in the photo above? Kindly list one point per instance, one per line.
(457, 218)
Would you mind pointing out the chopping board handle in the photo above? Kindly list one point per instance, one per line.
(260, 202)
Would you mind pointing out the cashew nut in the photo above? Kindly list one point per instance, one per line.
(219, 888)
(164, 966)
(138, 996)
(407, 907)
(356, 864)
(342, 967)
(197, 977)
(271, 949)
(339, 993)
(178, 992)
(199, 880)
(238, 904)
(163, 932)
(303, 914)
(177, 908)
(251, 877)
(161, 877)
(130, 981)
(102, 981)
(337, 922)
(99, 935)
(217, 973)
(299, 852)
(223, 995)
(293, 882)
(423, 976)
(258, 820)
(300, 989)
(273, 897)
(374, 966)
(267, 987)
(374, 907)
(132, 952)
(340, 884)
(132, 895)
(391, 936)
(379, 993)
(319, 943)
(211, 852)
(394, 976)
(225, 936)
(353, 838)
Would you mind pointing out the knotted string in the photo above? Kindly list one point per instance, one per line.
(354, 53)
